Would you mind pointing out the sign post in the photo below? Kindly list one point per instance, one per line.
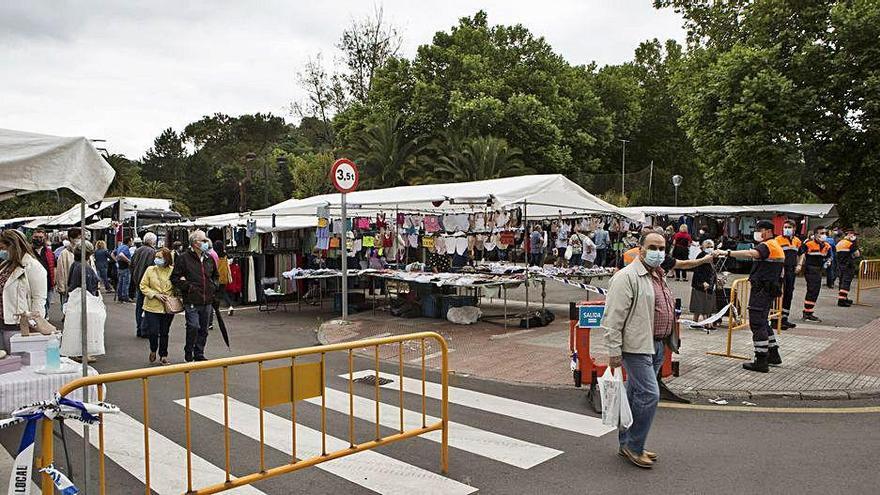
(344, 175)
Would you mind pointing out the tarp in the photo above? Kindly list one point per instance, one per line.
(102, 224)
(816, 210)
(546, 196)
(36, 162)
(264, 224)
(132, 205)
(12, 222)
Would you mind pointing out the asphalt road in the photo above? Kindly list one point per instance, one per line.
(702, 451)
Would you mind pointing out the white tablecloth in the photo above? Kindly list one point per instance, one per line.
(26, 386)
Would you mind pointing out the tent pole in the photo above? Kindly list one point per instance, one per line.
(526, 254)
(83, 323)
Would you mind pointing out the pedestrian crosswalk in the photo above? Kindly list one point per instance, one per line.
(374, 471)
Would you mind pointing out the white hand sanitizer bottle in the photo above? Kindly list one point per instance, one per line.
(53, 353)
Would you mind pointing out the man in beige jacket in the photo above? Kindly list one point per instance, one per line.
(639, 320)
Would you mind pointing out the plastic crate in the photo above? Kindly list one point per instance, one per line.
(431, 305)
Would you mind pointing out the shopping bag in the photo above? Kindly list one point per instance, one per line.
(609, 391)
(626, 416)
(71, 339)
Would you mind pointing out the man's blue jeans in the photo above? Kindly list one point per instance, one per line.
(122, 283)
(643, 394)
(197, 321)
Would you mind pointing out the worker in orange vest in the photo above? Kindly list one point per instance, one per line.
(847, 252)
(814, 255)
(791, 246)
(766, 285)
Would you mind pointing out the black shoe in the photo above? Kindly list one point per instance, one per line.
(187, 357)
(787, 324)
(843, 303)
(200, 358)
(773, 357)
(811, 317)
(760, 364)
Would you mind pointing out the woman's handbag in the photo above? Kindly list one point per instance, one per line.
(173, 305)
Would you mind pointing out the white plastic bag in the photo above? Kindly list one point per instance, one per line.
(615, 406)
(465, 315)
(71, 339)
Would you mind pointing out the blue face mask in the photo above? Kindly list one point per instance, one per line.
(654, 258)
(159, 261)
(788, 232)
(206, 246)
(4, 255)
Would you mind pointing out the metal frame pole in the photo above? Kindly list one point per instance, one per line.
(527, 253)
(344, 214)
(83, 321)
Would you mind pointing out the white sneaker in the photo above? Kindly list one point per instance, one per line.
(231, 311)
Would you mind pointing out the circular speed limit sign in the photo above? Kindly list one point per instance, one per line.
(344, 175)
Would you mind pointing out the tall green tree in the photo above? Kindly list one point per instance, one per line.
(781, 97)
(386, 156)
(480, 158)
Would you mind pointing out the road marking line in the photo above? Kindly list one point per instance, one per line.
(370, 469)
(781, 410)
(501, 448)
(428, 356)
(124, 445)
(564, 420)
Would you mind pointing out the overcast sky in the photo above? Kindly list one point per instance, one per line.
(124, 71)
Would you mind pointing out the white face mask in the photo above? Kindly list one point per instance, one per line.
(788, 232)
(758, 236)
(823, 237)
(708, 250)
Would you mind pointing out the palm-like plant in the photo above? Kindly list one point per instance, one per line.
(480, 158)
(386, 154)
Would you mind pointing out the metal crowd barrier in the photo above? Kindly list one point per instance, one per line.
(868, 277)
(277, 385)
(738, 315)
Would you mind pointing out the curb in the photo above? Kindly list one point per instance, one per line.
(780, 394)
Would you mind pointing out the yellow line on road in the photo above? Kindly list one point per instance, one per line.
(779, 410)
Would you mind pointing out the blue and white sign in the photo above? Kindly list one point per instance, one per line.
(590, 316)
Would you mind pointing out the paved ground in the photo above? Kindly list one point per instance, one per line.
(521, 440)
(838, 358)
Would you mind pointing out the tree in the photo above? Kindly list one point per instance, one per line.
(780, 97)
(311, 174)
(386, 157)
(366, 45)
(479, 158)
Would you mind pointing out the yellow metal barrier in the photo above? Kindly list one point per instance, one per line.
(868, 277)
(738, 315)
(277, 385)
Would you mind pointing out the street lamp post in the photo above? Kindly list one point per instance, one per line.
(676, 181)
(623, 168)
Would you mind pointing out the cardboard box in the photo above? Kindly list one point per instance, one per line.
(32, 348)
(10, 363)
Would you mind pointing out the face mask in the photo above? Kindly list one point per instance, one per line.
(159, 261)
(758, 236)
(654, 258)
(206, 246)
(852, 238)
(38, 242)
(4, 255)
(788, 232)
(702, 232)
(823, 237)
(708, 250)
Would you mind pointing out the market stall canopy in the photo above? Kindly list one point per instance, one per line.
(264, 224)
(36, 162)
(102, 224)
(15, 222)
(131, 206)
(815, 210)
(546, 196)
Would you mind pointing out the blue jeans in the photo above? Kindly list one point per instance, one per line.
(197, 321)
(48, 299)
(122, 283)
(102, 274)
(138, 312)
(643, 394)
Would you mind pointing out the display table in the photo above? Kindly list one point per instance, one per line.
(25, 386)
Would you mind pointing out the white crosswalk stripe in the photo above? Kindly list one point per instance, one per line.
(370, 469)
(564, 420)
(124, 445)
(501, 448)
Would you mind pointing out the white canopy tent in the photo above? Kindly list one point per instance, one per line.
(35, 162)
(23, 220)
(131, 206)
(817, 210)
(264, 224)
(543, 196)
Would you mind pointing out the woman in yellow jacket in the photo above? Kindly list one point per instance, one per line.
(156, 288)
